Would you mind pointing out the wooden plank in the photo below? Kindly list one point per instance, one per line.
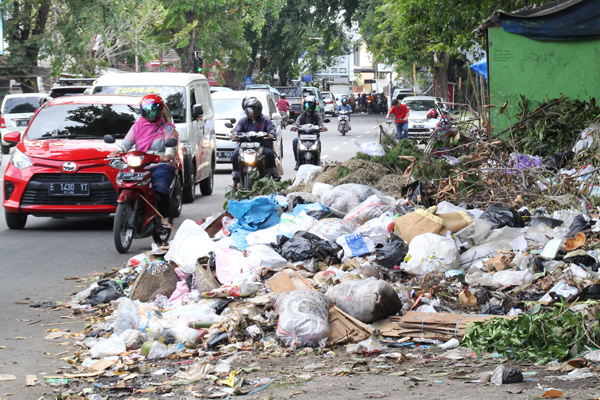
(30, 380)
(345, 328)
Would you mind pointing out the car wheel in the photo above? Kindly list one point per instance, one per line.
(207, 184)
(5, 149)
(177, 201)
(122, 232)
(189, 192)
(14, 220)
(281, 150)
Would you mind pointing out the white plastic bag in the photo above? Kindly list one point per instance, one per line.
(263, 236)
(306, 174)
(512, 278)
(372, 207)
(303, 318)
(321, 189)
(290, 224)
(229, 263)
(430, 252)
(332, 228)
(112, 346)
(345, 197)
(372, 149)
(376, 229)
(190, 243)
(262, 256)
(355, 245)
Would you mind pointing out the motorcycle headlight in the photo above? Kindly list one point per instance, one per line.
(302, 147)
(134, 161)
(314, 146)
(249, 158)
(117, 163)
(20, 160)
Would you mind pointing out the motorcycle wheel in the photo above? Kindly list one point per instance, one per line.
(177, 199)
(161, 235)
(122, 232)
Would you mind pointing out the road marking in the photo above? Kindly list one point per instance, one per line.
(352, 140)
(359, 136)
(345, 143)
(335, 148)
(324, 156)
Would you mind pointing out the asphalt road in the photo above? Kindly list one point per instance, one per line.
(36, 265)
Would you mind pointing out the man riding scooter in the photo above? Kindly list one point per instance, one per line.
(257, 122)
(309, 116)
(345, 107)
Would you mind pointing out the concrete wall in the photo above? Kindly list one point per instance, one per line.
(536, 69)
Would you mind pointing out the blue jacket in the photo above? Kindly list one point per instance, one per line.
(264, 124)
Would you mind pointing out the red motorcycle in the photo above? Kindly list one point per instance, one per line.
(137, 213)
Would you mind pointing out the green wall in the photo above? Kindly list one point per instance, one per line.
(536, 69)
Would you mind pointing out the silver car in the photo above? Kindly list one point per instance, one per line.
(17, 110)
(228, 108)
(418, 124)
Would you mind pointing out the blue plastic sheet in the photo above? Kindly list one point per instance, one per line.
(481, 68)
(250, 216)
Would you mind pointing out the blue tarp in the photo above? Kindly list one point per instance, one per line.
(251, 216)
(481, 68)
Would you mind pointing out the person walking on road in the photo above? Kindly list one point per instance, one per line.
(400, 112)
(352, 102)
(363, 103)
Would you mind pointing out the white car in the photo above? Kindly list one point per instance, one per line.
(419, 106)
(330, 103)
(228, 108)
(16, 112)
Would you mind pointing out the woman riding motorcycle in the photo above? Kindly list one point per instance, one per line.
(309, 116)
(149, 134)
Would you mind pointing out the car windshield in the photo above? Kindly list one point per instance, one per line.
(18, 105)
(420, 105)
(326, 95)
(82, 121)
(228, 108)
(172, 95)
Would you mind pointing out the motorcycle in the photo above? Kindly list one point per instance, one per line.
(370, 107)
(343, 125)
(137, 214)
(309, 146)
(381, 107)
(284, 119)
(251, 157)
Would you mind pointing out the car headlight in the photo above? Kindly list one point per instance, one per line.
(20, 160)
(117, 163)
(134, 161)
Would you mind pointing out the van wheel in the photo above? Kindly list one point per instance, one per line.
(189, 192)
(207, 184)
(14, 220)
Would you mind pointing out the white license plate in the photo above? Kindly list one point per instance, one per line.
(69, 189)
(224, 154)
(419, 126)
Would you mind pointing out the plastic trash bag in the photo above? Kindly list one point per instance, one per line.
(190, 243)
(355, 246)
(303, 318)
(105, 292)
(372, 207)
(430, 252)
(367, 300)
(252, 215)
(263, 236)
(112, 346)
(475, 233)
(579, 224)
(290, 224)
(306, 174)
(512, 278)
(229, 263)
(557, 161)
(413, 192)
(305, 246)
(500, 216)
(376, 229)
(262, 256)
(392, 253)
(321, 189)
(550, 222)
(332, 228)
(372, 149)
(345, 197)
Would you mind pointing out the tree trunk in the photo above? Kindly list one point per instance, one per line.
(283, 77)
(441, 60)
(186, 54)
(253, 54)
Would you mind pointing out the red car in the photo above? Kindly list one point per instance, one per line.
(60, 166)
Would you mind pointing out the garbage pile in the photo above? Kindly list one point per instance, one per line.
(346, 265)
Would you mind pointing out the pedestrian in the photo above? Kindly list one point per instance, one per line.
(400, 112)
(352, 102)
(363, 103)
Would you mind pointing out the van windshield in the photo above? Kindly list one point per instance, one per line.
(228, 108)
(174, 96)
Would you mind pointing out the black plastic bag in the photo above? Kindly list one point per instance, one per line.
(591, 292)
(499, 216)
(556, 161)
(415, 193)
(105, 292)
(489, 309)
(585, 260)
(579, 224)
(305, 246)
(321, 214)
(392, 253)
(550, 222)
(512, 375)
(537, 264)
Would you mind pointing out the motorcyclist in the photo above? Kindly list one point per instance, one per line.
(149, 134)
(345, 107)
(309, 116)
(283, 105)
(257, 122)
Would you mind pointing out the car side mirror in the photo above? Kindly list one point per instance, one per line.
(197, 111)
(326, 120)
(229, 125)
(275, 116)
(12, 137)
(171, 142)
(108, 139)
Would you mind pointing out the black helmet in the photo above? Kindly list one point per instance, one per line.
(344, 100)
(310, 104)
(252, 106)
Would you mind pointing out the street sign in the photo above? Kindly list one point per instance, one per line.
(307, 78)
(248, 80)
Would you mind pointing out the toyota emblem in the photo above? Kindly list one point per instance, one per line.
(69, 166)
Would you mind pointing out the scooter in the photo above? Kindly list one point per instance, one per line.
(137, 213)
(309, 145)
(343, 123)
(251, 157)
